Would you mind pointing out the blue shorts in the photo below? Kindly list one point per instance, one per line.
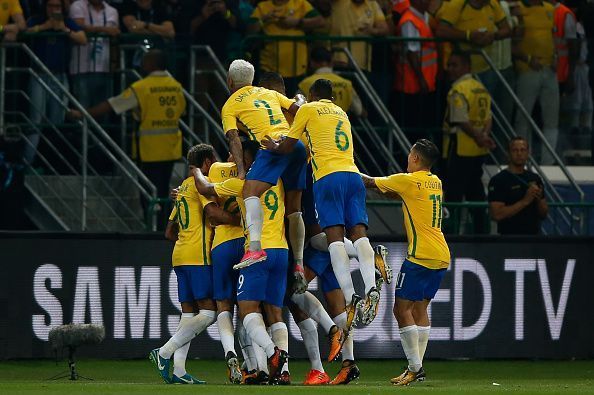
(194, 282)
(416, 282)
(270, 166)
(340, 200)
(223, 257)
(319, 263)
(308, 206)
(265, 281)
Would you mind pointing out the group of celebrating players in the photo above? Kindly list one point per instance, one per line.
(291, 175)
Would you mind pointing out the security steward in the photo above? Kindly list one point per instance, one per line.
(158, 103)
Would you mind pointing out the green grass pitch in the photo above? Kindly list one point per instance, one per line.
(444, 377)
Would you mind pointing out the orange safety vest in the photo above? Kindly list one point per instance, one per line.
(406, 79)
(399, 6)
(561, 12)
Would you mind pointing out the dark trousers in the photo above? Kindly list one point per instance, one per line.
(159, 173)
(463, 182)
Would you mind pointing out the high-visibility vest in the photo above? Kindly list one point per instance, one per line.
(406, 79)
(562, 12)
(478, 100)
(399, 6)
(162, 103)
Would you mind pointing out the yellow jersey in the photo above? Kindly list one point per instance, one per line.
(288, 58)
(422, 200)
(537, 41)
(273, 204)
(329, 139)
(468, 101)
(342, 89)
(461, 15)
(8, 9)
(219, 172)
(257, 110)
(194, 238)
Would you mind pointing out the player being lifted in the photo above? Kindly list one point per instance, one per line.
(264, 283)
(259, 111)
(189, 226)
(338, 190)
(428, 254)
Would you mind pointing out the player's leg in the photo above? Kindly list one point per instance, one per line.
(194, 282)
(180, 355)
(224, 256)
(294, 182)
(264, 173)
(423, 325)
(349, 370)
(410, 286)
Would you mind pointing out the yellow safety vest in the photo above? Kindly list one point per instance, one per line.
(479, 112)
(161, 103)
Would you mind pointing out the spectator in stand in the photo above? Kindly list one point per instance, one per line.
(502, 58)
(159, 102)
(578, 104)
(357, 18)
(467, 141)
(342, 89)
(565, 46)
(11, 11)
(516, 195)
(534, 55)
(90, 63)
(242, 9)
(212, 24)
(54, 51)
(478, 23)
(145, 18)
(416, 72)
(285, 18)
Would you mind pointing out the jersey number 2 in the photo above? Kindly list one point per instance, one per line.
(259, 103)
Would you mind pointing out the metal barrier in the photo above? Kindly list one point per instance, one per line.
(91, 131)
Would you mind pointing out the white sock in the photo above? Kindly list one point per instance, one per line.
(314, 309)
(366, 262)
(261, 358)
(409, 337)
(254, 218)
(280, 335)
(225, 324)
(309, 332)
(247, 349)
(254, 325)
(348, 349)
(180, 355)
(320, 243)
(187, 331)
(341, 266)
(350, 249)
(296, 235)
(423, 340)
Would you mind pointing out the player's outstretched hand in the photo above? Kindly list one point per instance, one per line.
(269, 143)
(173, 194)
(299, 283)
(74, 115)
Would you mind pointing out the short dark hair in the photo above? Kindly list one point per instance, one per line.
(270, 78)
(321, 54)
(250, 146)
(428, 151)
(322, 89)
(156, 58)
(464, 55)
(514, 139)
(199, 153)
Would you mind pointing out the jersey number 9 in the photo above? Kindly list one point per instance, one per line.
(271, 202)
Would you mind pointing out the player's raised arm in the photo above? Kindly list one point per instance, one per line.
(204, 187)
(236, 151)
